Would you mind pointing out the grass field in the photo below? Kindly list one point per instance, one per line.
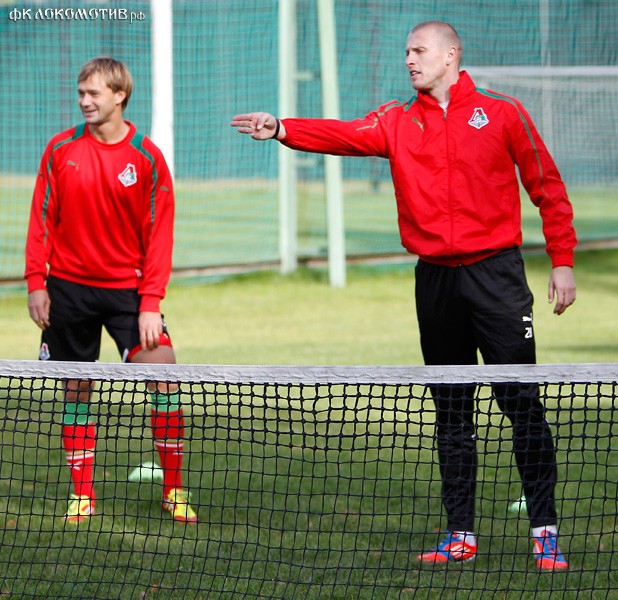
(265, 318)
(316, 502)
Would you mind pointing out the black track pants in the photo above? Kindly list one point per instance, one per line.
(485, 307)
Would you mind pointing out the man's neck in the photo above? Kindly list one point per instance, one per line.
(110, 132)
(443, 94)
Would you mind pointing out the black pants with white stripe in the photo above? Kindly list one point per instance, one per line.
(485, 307)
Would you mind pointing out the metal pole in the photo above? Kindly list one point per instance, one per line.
(332, 164)
(162, 125)
(547, 82)
(288, 226)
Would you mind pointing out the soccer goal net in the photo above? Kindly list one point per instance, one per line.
(308, 482)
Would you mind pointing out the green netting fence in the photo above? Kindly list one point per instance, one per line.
(226, 62)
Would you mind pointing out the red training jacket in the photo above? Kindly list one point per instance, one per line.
(102, 215)
(454, 171)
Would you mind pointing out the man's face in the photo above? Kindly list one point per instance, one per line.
(427, 59)
(97, 101)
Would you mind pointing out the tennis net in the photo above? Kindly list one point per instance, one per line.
(309, 482)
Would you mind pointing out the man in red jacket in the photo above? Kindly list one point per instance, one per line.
(99, 253)
(453, 151)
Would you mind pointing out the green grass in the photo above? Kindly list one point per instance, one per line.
(312, 499)
(266, 318)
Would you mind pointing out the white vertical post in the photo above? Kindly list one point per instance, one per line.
(332, 164)
(162, 125)
(546, 80)
(288, 226)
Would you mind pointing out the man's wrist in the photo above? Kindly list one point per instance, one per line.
(277, 129)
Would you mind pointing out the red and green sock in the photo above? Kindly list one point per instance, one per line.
(167, 422)
(79, 441)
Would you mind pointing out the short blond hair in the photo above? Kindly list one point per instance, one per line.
(116, 75)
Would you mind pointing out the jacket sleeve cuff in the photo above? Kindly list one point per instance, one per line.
(36, 282)
(563, 260)
(150, 303)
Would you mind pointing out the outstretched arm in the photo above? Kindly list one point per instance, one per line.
(359, 137)
(561, 288)
(260, 125)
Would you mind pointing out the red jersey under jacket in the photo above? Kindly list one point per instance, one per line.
(454, 172)
(102, 215)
